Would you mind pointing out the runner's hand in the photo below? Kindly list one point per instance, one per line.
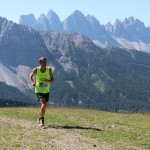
(33, 84)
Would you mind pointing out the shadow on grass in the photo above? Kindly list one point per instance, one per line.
(72, 127)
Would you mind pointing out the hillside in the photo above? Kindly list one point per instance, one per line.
(86, 76)
(75, 129)
(107, 79)
(11, 96)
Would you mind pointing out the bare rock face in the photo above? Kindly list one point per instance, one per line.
(48, 22)
(20, 44)
(28, 20)
(129, 33)
(23, 45)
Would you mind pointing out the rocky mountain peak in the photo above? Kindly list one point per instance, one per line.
(51, 15)
(117, 22)
(131, 22)
(51, 12)
(140, 23)
(5, 26)
(109, 27)
(41, 18)
(19, 43)
(54, 21)
(76, 22)
(43, 23)
(77, 13)
(118, 28)
(122, 33)
(128, 22)
(92, 20)
(27, 20)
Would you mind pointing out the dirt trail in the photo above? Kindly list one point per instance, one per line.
(54, 138)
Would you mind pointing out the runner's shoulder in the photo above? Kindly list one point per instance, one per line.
(35, 70)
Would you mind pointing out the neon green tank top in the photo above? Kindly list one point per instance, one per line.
(41, 85)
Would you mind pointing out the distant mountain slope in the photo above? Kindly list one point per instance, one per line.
(130, 33)
(85, 74)
(17, 41)
(11, 96)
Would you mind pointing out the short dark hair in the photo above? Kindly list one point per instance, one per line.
(42, 58)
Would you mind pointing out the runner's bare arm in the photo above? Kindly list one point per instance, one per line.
(51, 75)
(34, 71)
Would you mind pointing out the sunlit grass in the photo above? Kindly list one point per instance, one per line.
(122, 131)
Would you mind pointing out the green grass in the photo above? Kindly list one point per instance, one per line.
(120, 131)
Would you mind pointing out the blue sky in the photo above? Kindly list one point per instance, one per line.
(103, 10)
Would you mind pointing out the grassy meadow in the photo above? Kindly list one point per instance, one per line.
(73, 129)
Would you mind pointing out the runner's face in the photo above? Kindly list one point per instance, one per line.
(43, 63)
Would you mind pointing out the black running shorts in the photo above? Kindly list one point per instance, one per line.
(41, 95)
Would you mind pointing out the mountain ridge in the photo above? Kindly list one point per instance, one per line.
(131, 30)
